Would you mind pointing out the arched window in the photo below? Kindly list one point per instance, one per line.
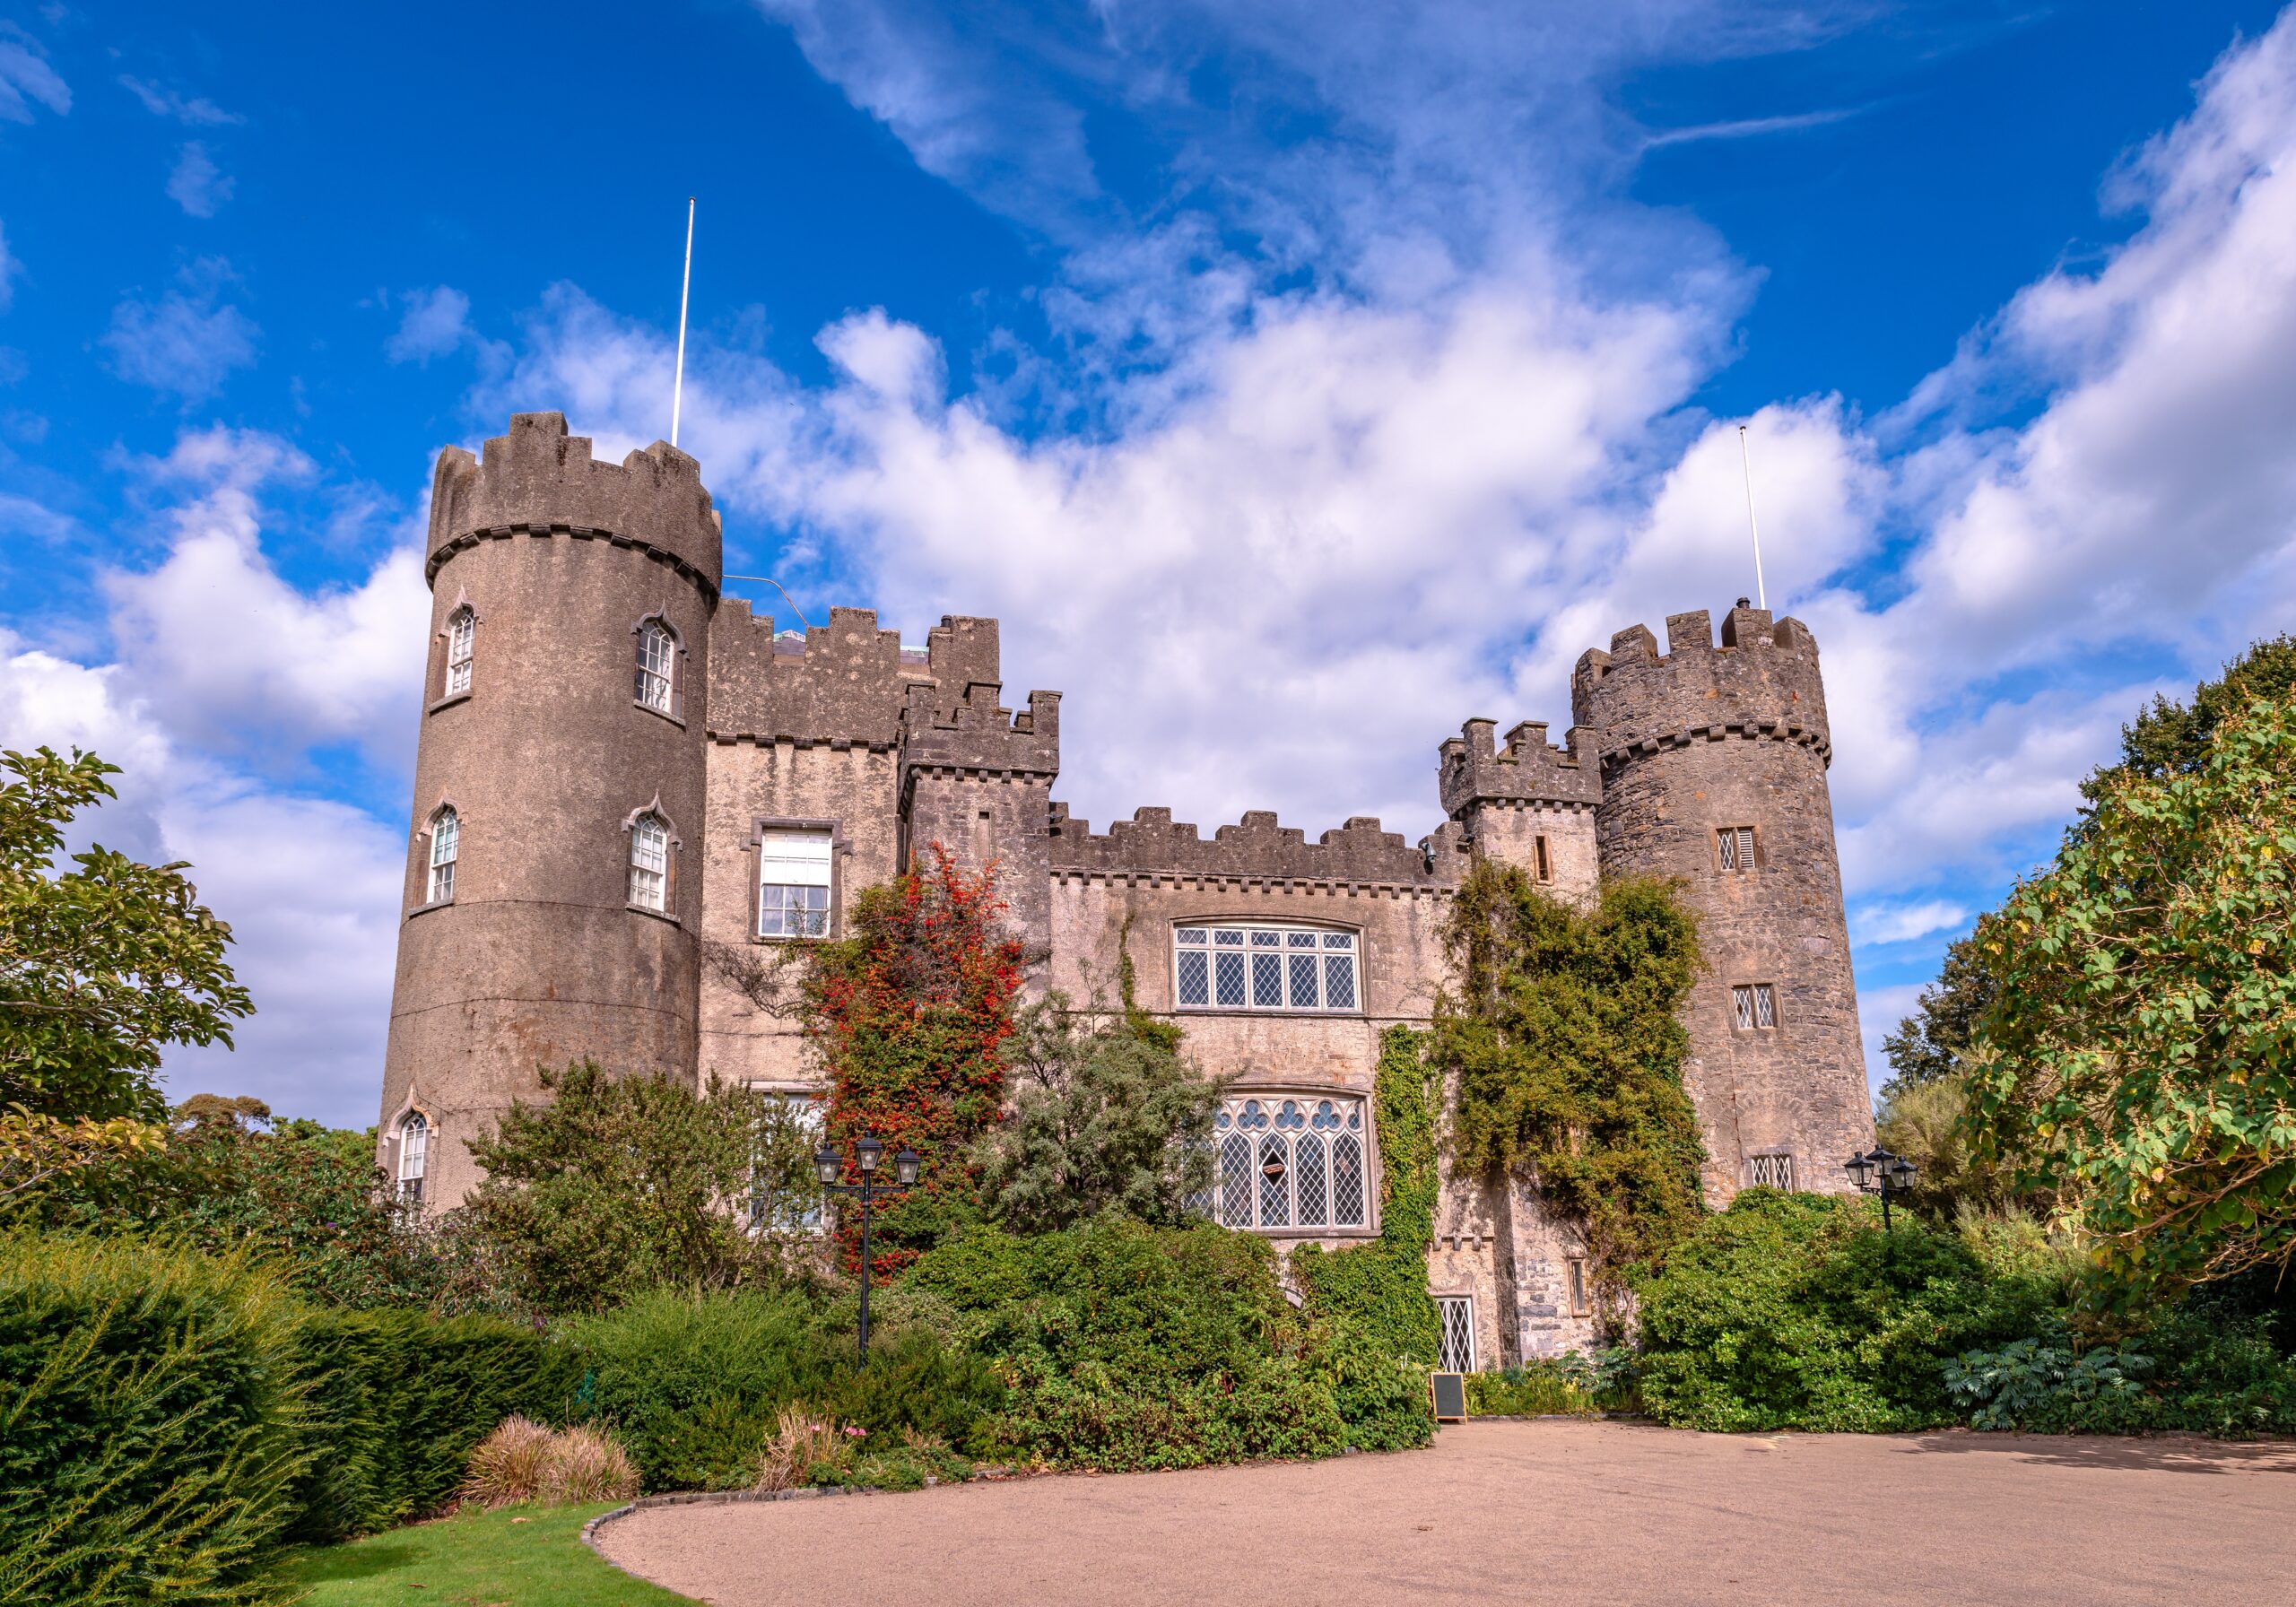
(462, 633)
(650, 863)
(657, 668)
(414, 1154)
(446, 844)
(1295, 1163)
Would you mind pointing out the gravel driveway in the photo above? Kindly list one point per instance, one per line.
(1561, 1511)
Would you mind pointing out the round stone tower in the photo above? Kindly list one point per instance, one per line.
(1714, 771)
(562, 745)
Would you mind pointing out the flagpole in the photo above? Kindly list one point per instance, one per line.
(685, 289)
(1762, 596)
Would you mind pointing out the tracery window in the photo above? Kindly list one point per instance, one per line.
(657, 668)
(446, 845)
(1291, 1163)
(414, 1154)
(1238, 967)
(650, 863)
(461, 633)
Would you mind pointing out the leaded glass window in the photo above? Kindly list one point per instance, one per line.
(446, 845)
(657, 658)
(1454, 1342)
(1291, 1162)
(1771, 1171)
(1733, 847)
(462, 629)
(650, 863)
(1755, 1006)
(1264, 968)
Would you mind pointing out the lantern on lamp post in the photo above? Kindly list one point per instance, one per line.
(1881, 1172)
(868, 1156)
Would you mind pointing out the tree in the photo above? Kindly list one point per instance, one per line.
(1104, 1118)
(911, 1011)
(1563, 1032)
(1927, 1123)
(623, 1184)
(101, 965)
(1928, 1044)
(2174, 739)
(2141, 1059)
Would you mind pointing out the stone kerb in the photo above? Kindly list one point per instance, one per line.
(1763, 682)
(1256, 848)
(538, 479)
(1473, 768)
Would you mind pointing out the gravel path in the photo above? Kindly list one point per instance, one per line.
(1562, 1512)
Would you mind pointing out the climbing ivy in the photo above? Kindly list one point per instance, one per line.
(1563, 1028)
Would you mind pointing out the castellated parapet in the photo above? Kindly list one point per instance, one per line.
(1254, 850)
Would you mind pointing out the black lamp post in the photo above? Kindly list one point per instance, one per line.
(1881, 1173)
(867, 1156)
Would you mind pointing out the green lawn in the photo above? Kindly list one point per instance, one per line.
(483, 1560)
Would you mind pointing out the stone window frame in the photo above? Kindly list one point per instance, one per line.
(838, 848)
(1755, 1169)
(679, 668)
(1749, 850)
(1359, 1010)
(418, 901)
(440, 672)
(672, 852)
(1575, 1286)
(1465, 1327)
(1755, 995)
(394, 1137)
(1275, 1094)
(1541, 859)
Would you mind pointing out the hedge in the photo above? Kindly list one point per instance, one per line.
(166, 1418)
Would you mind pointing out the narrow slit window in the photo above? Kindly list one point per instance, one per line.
(1734, 846)
(445, 846)
(793, 882)
(1755, 1005)
(1574, 1273)
(1544, 861)
(650, 863)
(461, 633)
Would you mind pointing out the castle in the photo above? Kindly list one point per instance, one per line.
(617, 765)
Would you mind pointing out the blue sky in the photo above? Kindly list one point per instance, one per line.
(1294, 381)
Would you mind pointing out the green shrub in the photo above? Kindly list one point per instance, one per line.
(694, 1384)
(2196, 1370)
(149, 1425)
(2029, 1380)
(1539, 1387)
(1797, 1311)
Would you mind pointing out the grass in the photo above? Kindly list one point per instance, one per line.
(515, 1557)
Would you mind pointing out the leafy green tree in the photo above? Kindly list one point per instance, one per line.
(2140, 1061)
(623, 1184)
(1927, 1123)
(1564, 1032)
(100, 965)
(2174, 739)
(1101, 1118)
(1928, 1044)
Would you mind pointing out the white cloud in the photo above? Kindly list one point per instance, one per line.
(195, 111)
(1878, 1011)
(10, 268)
(436, 322)
(26, 77)
(1903, 923)
(186, 343)
(197, 185)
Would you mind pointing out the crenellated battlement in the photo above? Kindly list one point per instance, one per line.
(539, 480)
(1474, 769)
(845, 682)
(977, 736)
(1761, 682)
(1255, 848)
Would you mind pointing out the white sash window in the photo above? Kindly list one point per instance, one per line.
(413, 1155)
(793, 881)
(658, 662)
(650, 863)
(446, 844)
(462, 630)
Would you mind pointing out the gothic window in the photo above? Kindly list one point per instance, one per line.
(1733, 847)
(446, 845)
(1289, 1163)
(462, 633)
(1454, 1342)
(793, 881)
(1236, 966)
(1755, 1006)
(414, 1154)
(657, 668)
(650, 863)
(1771, 1171)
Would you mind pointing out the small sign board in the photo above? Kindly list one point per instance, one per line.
(1449, 1392)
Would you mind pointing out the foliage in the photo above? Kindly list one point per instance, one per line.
(912, 1011)
(149, 1438)
(1125, 1346)
(100, 965)
(813, 1447)
(532, 1557)
(2030, 1379)
(1103, 1117)
(523, 1462)
(694, 1384)
(1374, 1296)
(2142, 1067)
(2175, 739)
(1796, 1311)
(1565, 1035)
(1927, 1123)
(1542, 1386)
(1928, 1045)
(623, 1184)
(36, 1149)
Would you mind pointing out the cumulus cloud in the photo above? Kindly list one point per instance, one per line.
(187, 341)
(26, 78)
(436, 322)
(197, 185)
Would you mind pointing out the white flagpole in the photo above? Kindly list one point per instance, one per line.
(685, 289)
(1761, 597)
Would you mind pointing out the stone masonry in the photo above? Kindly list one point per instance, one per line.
(844, 737)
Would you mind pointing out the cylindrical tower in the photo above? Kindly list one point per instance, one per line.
(1714, 771)
(553, 888)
